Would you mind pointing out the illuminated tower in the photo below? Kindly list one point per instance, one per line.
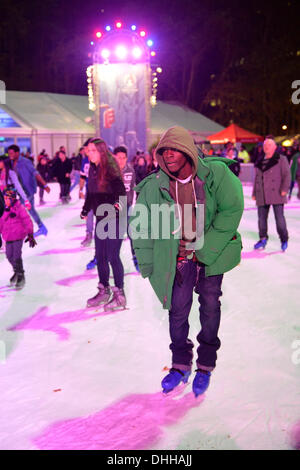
(122, 86)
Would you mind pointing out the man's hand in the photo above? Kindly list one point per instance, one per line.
(254, 198)
(27, 205)
(81, 194)
(47, 189)
(283, 193)
(83, 215)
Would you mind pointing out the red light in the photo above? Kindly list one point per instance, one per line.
(143, 34)
(98, 34)
(119, 24)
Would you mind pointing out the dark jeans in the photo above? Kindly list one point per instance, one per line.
(64, 190)
(14, 255)
(41, 192)
(33, 212)
(108, 253)
(298, 183)
(209, 290)
(263, 212)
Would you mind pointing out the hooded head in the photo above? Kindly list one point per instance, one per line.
(177, 138)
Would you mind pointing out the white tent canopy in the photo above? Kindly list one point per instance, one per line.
(47, 120)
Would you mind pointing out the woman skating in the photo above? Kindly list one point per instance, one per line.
(105, 186)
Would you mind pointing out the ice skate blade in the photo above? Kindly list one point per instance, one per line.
(175, 391)
(117, 309)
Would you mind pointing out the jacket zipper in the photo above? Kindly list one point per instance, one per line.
(168, 281)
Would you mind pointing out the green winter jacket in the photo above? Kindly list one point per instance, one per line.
(294, 166)
(224, 203)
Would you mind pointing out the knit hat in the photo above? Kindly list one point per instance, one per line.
(10, 192)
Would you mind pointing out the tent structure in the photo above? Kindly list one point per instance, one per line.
(37, 120)
(234, 133)
(167, 114)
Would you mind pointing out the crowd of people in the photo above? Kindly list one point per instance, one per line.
(176, 171)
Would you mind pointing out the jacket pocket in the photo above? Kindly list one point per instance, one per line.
(228, 259)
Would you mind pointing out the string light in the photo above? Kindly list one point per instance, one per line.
(89, 72)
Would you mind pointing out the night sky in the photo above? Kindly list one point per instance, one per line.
(233, 63)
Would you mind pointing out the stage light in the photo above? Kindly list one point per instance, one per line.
(108, 28)
(136, 52)
(121, 52)
(98, 34)
(133, 27)
(105, 53)
(150, 43)
(119, 24)
(159, 70)
(153, 53)
(92, 43)
(143, 34)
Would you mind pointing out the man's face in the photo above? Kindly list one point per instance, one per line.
(121, 159)
(174, 159)
(12, 154)
(269, 146)
(62, 156)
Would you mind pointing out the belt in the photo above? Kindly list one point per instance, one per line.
(192, 257)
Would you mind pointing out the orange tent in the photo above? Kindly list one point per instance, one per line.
(234, 133)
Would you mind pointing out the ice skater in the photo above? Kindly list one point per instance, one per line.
(15, 226)
(105, 186)
(271, 186)
(28, 177)
(128, 175)
(189, 254)
(62, 171)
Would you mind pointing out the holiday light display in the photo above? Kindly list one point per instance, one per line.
(122, 85)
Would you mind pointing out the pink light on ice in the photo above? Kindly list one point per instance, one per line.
(41, 321)
(133, 423)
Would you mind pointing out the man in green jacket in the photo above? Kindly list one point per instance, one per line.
(192, 248)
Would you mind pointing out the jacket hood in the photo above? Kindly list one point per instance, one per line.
(179, 138)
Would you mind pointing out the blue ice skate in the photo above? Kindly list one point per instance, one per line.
(41, 231)
(136, 264)
(284, 246)
(261, 244)
(92, 264)
(201, 382)
(174, 378)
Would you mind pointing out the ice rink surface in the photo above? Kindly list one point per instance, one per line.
(78, 379)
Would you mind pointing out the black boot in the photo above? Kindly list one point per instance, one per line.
(13, 279)
(20, 281)
(20, 274)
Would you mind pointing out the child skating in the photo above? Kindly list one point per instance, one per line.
(15, 226)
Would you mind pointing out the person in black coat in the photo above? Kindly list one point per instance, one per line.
(104, 188)
(62, 171)
(236, 166)
(141, 169)
(44, 170)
